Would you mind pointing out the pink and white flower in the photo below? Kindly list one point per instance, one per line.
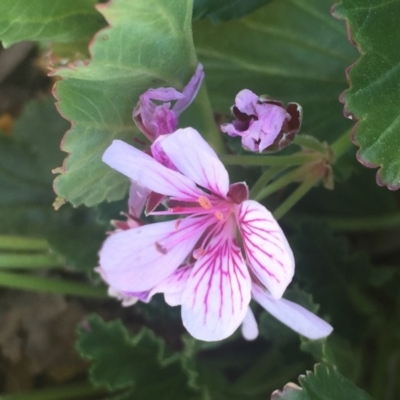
(160, 119)
(222, 249)
(262, 122)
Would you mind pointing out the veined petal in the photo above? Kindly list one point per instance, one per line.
(268, 253)
(173, 286)
(249, 326)
(137, 199)
(190, 91)
(217, 294)
(293, 315)
(246, 102)
(138, 259)
(195, 158)
(147, 172)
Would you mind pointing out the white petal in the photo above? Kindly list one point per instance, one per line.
(147, 172)
(173, 286)
(137, 259)
(249, 326)
(268, 253)
(293, 315)
(137, 199)
(195, 158)
(217, 294)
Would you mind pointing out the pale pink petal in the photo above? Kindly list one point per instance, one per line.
(195, 158)
(250, 142)
(158, 153)
(137, 199)
(138, 259)
(249, 326)
(173, 286)
(152, 119)
(246, 102)
(161, 94)
(268, 253)
(217, 294)
(147, 172)
(190, 91)
(293, 315)
(126, 300)
(233, 129)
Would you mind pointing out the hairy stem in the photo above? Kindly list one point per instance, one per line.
(369, 223)
(264, 179)
(294, 197)
(309, 142)
(22, 243)
(281, 182)
(342, 144)
(38, 260)
(273, 161)
(41, 284)
(210, 130)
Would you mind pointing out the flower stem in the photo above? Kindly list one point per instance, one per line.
(22, 243)
(370, 223)
(28, 261)
(285, 180)
(294, 197)
(342, 144)
(309, 142)
(41, 284)
(264, 179)
(275, 161)
(210, 130)
(73, 392)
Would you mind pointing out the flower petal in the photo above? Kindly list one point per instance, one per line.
(137, 199)
(138, 259)
(249, 326)
(217, 294)
(268, 253)
(246, 102)
(173, 286)
(147, 172)
(190, 91)
(195, 158)
(293, 315)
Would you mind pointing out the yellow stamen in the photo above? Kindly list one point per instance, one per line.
(198, 253)
(204, 202)
(219, 215)
(177, 223)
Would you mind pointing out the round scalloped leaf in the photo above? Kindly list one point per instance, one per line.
(322, 384)
(47, 20)
(292, 50)
(148, 44)
(374, 96)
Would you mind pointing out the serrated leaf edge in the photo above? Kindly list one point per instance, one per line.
(349, 115)
(60, 200)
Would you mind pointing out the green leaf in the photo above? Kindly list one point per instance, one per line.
(223, 10)
(276, 51)
(139, 362)
(335, 351)
(373, 95)
(149, 44)
(48, 20)
(325, 383)
(26, 195)
(327, 269)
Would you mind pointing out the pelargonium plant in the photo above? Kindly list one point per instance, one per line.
(200, 198)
